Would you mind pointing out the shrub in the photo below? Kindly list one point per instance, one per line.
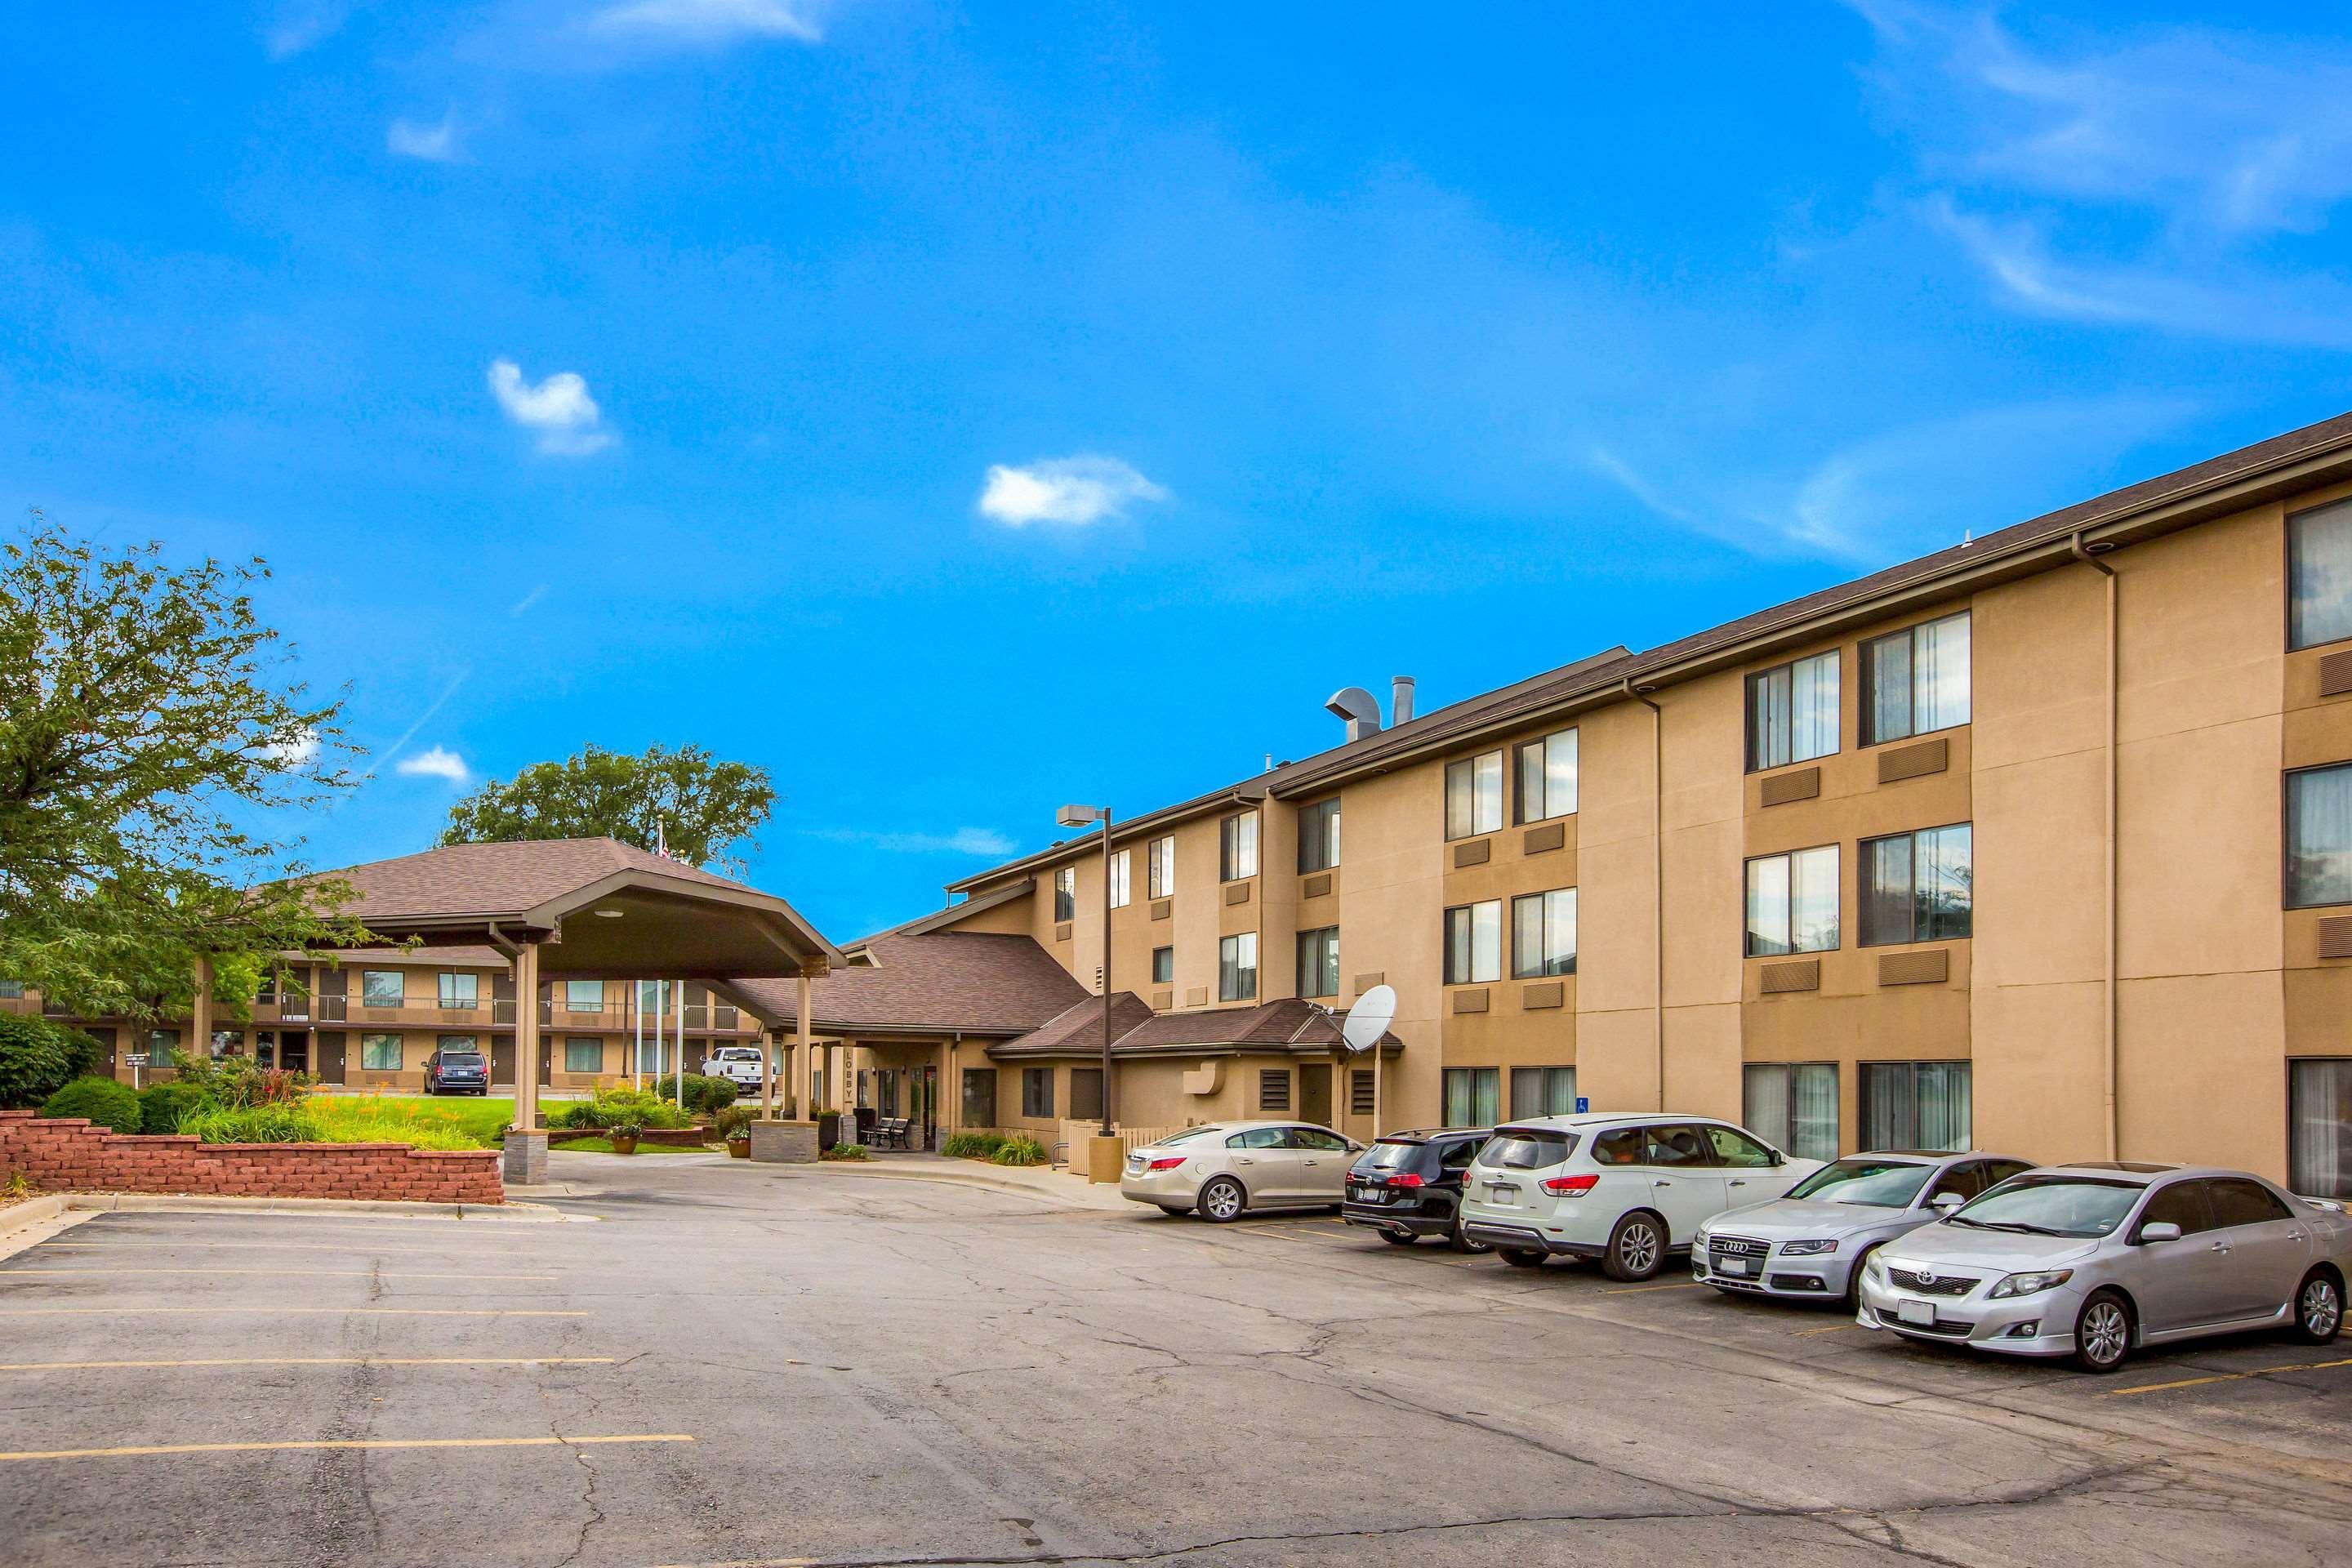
(704, 1096)
(733, 1123)
(283, 1123)
(844, 1151)
(163, 1107)
(606, 1106)
(85, 1058)
(1020, 1150)
(106, 1103)
(973, 1145)
(37, 1059)
(235, 1082)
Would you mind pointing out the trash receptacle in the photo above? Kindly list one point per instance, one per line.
(828, 1128)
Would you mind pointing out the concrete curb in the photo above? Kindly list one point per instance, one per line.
(1074, 1193)
(153, 1203)
(32, 1211)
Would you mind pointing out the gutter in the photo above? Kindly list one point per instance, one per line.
(2089, 555)
(1657, 879)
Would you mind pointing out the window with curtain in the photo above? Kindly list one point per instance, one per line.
(1542, 1092)
(1159, 867)
(1118, 881)
(1915, 1105)
(2319, 837)
(1037, 1092)
(1273, 1089)
(1066, 893)
(583, 996)
(980, 1097)
(1793, 1106)
(1793, 902)
(1792, 712)
(1543, 935)
(1237, 968)
(1164, 965)
(1916, 680)
(1917, 886)
(381, 987)
(12, 990)
(1318, 836)
(1318, 962)
(1474, 943)
(2319, 577)
(1085, 1094)
(2319, 1128)
(1237, 847)
(1474, 1097)
(582, 1056)
(380, 1053)
(1548, 777)
(1474, 796)
(461, 990)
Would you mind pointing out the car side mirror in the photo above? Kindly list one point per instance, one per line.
(2158, 1230)
(1944, 1203)
(1778, 1159)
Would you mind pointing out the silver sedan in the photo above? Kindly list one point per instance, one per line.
(1226, 1169)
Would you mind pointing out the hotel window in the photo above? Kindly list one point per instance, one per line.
(1318, 962)
(1916, 681)
(2319, 577)
(1163, 966)
(1037, 1092)
(381, 987)
(1914, 1105)
(816, 1089)
(1237, 847)
(461, 990)
(1237, 968)
(12, 990)
(2319, 1128)
(1474, 943)
(1474, 1097)
(583, 996)
(2319, 837)
(163, 1045)
(1793, 1107)
(380, 1053)
(1318, 836)
(1543, 1091)
(1159, 867)
(1118, 881)
(1917, 886)
(980, 1097)
(1474, 796)
(1548, 777)
(1543, 935)
(1793, 902)
(1792, 712)
(1066, 893)
(1085, 1094)
(582, 1056)
(1273, 1089)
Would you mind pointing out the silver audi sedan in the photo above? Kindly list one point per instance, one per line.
(1809, 1246)
(2093, 1261)
(1227, 1169)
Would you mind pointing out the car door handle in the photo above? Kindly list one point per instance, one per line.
(1245, 1162)
(1738, 1182)
(2294, 1236)
(1662, 1183)
(2218, 1246)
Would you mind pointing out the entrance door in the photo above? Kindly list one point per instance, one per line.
(546, 1064)
(294, 1050)
(503, 1062)
(926, 1093)
(1315, 1094)
(330, 1055)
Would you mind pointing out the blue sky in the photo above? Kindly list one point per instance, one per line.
(963, 410)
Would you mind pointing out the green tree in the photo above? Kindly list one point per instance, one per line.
(147, 720)
(705, 809)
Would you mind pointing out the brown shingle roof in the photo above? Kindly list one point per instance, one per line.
(1077, 1029)
(479, 878)
(1288, 1025)
(928, 983)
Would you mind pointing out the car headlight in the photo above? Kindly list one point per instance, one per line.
(1874, 1270)
(1700, 1242)
(1806, 1248)
(2031, 1284)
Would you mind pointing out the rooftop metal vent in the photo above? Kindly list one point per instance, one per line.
(1357, 707)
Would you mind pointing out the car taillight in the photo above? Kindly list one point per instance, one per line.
(1407, 1179)
(1571, 1186)
(1169, 1164)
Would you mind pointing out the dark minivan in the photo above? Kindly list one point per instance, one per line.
(1408, 1186)
(456, 1072)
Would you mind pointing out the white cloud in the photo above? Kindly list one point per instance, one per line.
(434, 144)
(529, 602)
(708, 22)
(435, 762)
(975, 841)
(302, 24)
(568, 421)
(1081, 490)
(298, 752)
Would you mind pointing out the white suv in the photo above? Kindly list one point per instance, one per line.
(1625, 1189)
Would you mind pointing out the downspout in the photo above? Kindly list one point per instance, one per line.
(1658, 879)
(2089, 557)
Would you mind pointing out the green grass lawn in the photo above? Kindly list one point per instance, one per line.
(395, 1117)
(604, 1146)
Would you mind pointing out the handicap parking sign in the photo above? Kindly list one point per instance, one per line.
(1583, 1104)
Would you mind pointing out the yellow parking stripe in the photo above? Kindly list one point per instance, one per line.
(313, 1445)
(2224, 1377)
(292, 1312)
(1642, 1289)
(316, 1360)
(145, 1247)
(270, 1273)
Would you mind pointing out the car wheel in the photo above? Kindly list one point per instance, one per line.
(2102, 1332)
(2318, 1308)
(1637, 1248)
(1525, 1256)
(1393, 1239)
(1459, 1240)
(1852, 1300)
(1222, 1201)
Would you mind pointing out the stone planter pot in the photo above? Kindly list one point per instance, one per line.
(624, 1145)
(739, 1148)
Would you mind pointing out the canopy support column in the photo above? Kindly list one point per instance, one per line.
(526, 1145)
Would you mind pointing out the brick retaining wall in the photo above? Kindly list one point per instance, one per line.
(69, 1154)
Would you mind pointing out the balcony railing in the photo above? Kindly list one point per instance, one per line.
(716, 1017)
(614, 1018)
(481, 1012)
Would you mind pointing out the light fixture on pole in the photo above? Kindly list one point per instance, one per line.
(1079, 816)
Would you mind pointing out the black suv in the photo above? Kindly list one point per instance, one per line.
(1409, 1184)
(456, 1072)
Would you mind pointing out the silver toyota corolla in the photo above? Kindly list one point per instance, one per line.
(1808, 1246)
(2094, 1260)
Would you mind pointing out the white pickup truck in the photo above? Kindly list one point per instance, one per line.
(740, 1064)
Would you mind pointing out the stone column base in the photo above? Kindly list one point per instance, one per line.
(1104, 1158)
(526, 1158)
(784, 1143)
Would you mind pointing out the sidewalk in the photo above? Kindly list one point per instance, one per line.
(1034, 1181)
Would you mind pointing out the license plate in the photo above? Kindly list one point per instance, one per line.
(1500, 1194)
(1371, 1194)
(1915, 1311)
(1734, 1266)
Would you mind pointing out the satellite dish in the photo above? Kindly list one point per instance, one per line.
(1369, 1019)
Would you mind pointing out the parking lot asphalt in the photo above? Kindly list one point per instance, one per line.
(727, 1363)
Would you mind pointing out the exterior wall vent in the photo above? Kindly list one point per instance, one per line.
(1237, 892)
(1805, 784)
(1318, 886)
(1914, 762)
(1477, 852)
(1799, 974)
(1473, 1000)
(1930, 967)
(2336, 673)
(1541, 840)
(1550, 994)
(2336, 937)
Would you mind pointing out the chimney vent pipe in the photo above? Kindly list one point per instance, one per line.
(1400, 700)
(1360, 709)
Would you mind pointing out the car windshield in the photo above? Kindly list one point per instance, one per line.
(1527, 1148)
(2052, 1206)
(1389, 1154)
(1190, 1135)
(1878, 1184)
